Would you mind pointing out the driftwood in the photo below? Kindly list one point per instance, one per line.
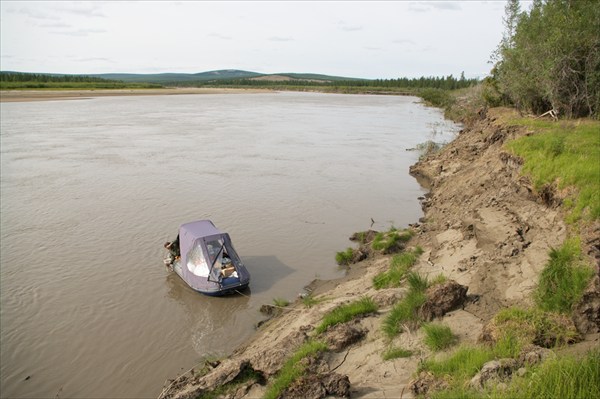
(553, 114)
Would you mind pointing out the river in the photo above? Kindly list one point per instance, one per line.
(92, 188)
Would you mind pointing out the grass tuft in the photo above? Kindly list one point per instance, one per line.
(395, 353)
(399, 266)
(293, 368)
(282, 303)
(404, 312)
(344, 257)
(438, 337)
(347, 312)
(564, 279)
(391, 241)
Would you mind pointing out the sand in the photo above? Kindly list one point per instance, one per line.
(49, 95)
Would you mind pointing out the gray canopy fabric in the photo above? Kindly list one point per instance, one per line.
(202, 244)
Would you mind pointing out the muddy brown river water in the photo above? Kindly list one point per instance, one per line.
(92, 188)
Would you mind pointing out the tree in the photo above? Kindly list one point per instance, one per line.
(550, 59)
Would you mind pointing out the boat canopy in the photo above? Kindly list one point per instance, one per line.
(205, 250)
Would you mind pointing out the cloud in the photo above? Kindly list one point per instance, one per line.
(403, 41)
(95, 59)
(56, 25)
(35, 14)
(79, 32)
(424, 6)
(219, 36)
(371, 48)
(349, 28)
(281, 39)
(89, 10)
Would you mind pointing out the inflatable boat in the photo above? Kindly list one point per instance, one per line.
(204, 257)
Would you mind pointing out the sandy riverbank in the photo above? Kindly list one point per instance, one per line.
(49, 95)
(484, 227)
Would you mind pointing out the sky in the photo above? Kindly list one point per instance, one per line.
(370, 39)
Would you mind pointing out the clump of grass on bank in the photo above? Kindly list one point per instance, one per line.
(392, 240)
(564, 278)
(438, 336)
(344, 313)
(399, 267)
(344, 257)
(405, 311)
(566, 153)
(517, 327)
(280, 302)
(396, 353)
(460, 365)
(247, 374)
(565, 377)
(309, 301)
(293, 368)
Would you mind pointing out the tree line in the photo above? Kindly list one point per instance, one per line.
(549, 58)
(46, 78)
(447, 83)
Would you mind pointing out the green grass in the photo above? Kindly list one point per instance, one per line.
(460, 365)
(564, 378)
(399, 266)
(404, 312)
(280, 302)
(565, 153)
(391, 241)
(309, 301)
(564, 278)
(344, 257)
(416, 282)
(344, 313)
(438, 336)
(248, 374)
(520, 326)
(293, 368)
(395, 353)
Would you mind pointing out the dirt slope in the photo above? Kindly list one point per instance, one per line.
(483, 227)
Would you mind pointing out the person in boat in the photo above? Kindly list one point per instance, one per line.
(173, 248)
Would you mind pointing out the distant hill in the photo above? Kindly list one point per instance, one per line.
(180, 79)
(223, 74)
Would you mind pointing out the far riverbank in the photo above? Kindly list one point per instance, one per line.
(48, 95)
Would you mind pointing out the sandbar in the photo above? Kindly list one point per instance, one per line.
(48, 95)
